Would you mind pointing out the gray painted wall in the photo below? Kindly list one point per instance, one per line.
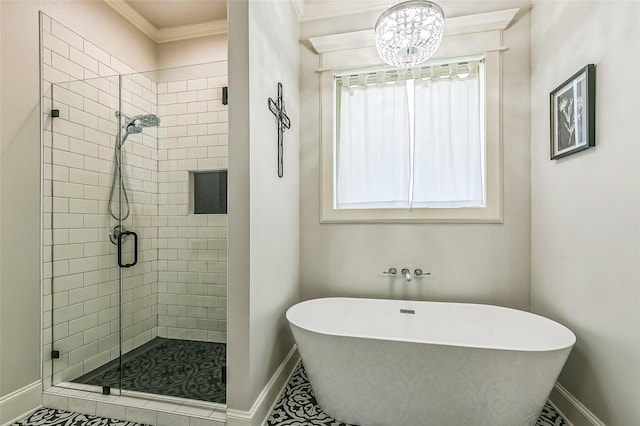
(585, 208)
(20, 163)
(178, 53)
(469, 262)
(263, 209)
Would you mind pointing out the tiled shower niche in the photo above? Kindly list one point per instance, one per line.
(178, 288)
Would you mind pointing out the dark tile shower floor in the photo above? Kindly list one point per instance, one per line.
(170, 367)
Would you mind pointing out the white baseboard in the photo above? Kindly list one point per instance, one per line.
(261, 408)
(572, 410)
(285, 375)
(19, 403)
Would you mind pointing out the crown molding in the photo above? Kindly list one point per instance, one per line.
(320, 10)
(164, 35)
(184, 32)
(344, 41)
(489, 21)
(459, 25)
(134, 17)
(299, 6)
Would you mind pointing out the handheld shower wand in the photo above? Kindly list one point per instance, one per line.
(135, 125)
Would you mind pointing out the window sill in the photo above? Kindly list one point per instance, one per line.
(492, 214)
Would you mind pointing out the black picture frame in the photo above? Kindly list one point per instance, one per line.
(573, 113)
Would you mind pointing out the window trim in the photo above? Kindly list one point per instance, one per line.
(492, 213)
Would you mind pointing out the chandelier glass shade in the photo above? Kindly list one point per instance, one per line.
(409, 32)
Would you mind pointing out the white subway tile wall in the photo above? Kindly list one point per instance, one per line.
(192, 249)
(178, 288)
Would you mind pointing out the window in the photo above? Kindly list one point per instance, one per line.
(417, 145)
(210, 192)
(410, 138)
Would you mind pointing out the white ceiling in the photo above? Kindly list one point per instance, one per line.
(173, 13)
(171, 20)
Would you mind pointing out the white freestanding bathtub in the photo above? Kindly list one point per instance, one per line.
(408, 363)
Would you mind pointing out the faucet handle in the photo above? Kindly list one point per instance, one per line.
(419, 274)
(391, 272)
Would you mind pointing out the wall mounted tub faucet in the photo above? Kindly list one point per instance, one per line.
(406, 274)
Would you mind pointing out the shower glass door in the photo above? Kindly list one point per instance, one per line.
(135, 251)
(82, 287)
(101, 172)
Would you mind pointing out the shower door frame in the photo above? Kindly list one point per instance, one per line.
(60, 111)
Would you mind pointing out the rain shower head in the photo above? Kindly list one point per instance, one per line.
(137, 123)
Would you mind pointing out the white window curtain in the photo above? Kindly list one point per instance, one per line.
(411, 138)
(448, 148)
(373, 148)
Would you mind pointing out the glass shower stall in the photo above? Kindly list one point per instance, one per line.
(135, 274)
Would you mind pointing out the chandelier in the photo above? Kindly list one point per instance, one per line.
(409, 32)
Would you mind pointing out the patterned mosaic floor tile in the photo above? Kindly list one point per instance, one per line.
(298, 407)
(182, 368)
(52, 417)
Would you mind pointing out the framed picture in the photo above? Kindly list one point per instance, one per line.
(573, 114)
